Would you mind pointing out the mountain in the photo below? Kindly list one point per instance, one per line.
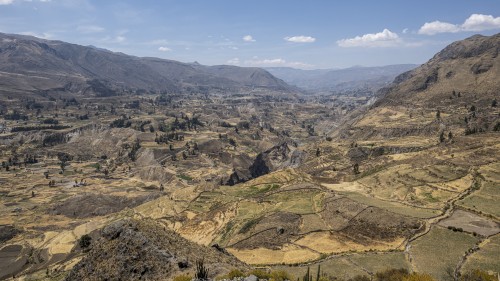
(470, 67)
(372, 78)
(455, 91)
(32, 64)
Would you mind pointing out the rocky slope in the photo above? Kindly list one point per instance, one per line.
(456, 91)
(33, 64)
(470, 67)
(145, 250)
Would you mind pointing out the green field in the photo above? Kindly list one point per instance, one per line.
(487, 258)
(485, 200)
(440, 250)
(394, 207)
(348, 266)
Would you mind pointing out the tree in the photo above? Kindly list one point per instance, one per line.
(85, 241)
(450, 135)
(201, 271)
(355, 168)
(318, 152)
(441, 137)
(494, 103)
(308, 276)
(438, 114)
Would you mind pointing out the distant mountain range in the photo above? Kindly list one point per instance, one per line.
(30, 64)
(358, 77)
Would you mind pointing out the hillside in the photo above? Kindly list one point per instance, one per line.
(276, 181)
(470, 67)
(455, 91)
(33, 64)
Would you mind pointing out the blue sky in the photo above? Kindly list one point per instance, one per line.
(301, 34)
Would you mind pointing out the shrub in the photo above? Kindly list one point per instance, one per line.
(477, 275)
(183, 277)
(360, 278)
(85, 241)
(261, 274)
(235, 273)
(280, 275)
(201, 271)
(391, 275)
(418, 277)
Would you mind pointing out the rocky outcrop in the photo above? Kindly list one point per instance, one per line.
(278, 157)
(146, 250)
(283, 155)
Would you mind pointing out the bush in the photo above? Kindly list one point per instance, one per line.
(360, 278)
(280, 275)
(261, 274)
(183, 278)
(418, 277)
(201, 271)
(391, 275)
(477, 275)
(235, 273)
(85, 241)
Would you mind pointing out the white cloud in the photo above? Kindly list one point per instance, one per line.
(90, 29)
(234, 61)
(44, 35)
(120, 39)
(266, 62)
(435, 27)
(158, 42)
(8, 2)
(386, 38)
(476, 22)
(248, 38)
(405, 30)
(276, 62)
(164, 49)
(113, 40)
(300, 39)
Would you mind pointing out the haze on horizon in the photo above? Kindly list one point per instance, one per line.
(316, 34)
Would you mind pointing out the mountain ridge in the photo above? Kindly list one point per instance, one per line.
(354, 77)
(57, 64)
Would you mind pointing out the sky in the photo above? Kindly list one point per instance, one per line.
(303, 34)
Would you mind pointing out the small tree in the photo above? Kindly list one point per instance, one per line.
(85, 241)
(318, 152)
(438, 114)
(308, 276)
(441, 137)
(355, 168)
(494, 103)
(201, 271)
